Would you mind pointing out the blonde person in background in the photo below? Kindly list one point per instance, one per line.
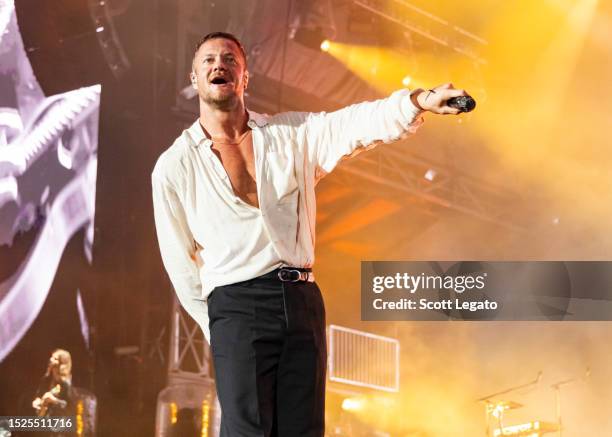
(54, 394)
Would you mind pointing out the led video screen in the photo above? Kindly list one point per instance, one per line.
(48, 163)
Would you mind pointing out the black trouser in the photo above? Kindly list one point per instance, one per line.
(269, 351)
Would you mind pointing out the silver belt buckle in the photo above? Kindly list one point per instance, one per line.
(284, 278)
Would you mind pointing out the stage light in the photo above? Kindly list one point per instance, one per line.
(325, 45)
(353, 404)
(205, 418)
(311, 38)
(406, 80)
(79, 418)
(381, 67)
(173, 412)
(430, 175)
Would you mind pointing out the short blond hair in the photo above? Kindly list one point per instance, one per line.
(222, 35)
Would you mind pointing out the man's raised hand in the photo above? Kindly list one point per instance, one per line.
(435, 100)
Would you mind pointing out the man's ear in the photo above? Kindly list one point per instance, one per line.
(194, 82)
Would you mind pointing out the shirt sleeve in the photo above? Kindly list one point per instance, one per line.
(177, 247)
(348, 131)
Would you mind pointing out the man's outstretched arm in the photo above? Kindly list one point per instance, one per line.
(348, 131)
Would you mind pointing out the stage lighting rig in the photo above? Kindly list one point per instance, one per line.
(108, 39)
(314, 38)
(70, 43)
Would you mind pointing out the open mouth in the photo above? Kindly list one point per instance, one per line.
(219, 81)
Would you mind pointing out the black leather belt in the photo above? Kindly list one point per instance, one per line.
(295, 274)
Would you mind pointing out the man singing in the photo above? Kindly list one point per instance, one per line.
(234, 203)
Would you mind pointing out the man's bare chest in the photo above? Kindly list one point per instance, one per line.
(238, 160)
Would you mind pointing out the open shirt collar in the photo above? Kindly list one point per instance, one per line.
(196, 132)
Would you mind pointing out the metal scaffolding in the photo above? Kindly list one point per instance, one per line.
(393, 173)
(189, 355)
(434, 28)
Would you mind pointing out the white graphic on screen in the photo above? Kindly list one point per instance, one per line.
(48, 163)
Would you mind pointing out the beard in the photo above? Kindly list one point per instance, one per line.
(222, 101)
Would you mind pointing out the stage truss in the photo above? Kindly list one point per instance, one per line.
(406, 176)
(189, 354)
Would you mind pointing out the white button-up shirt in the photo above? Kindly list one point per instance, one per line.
(209, 237)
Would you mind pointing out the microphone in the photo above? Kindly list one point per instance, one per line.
(462, 103)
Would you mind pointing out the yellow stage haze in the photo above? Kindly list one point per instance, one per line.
(543, 100)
